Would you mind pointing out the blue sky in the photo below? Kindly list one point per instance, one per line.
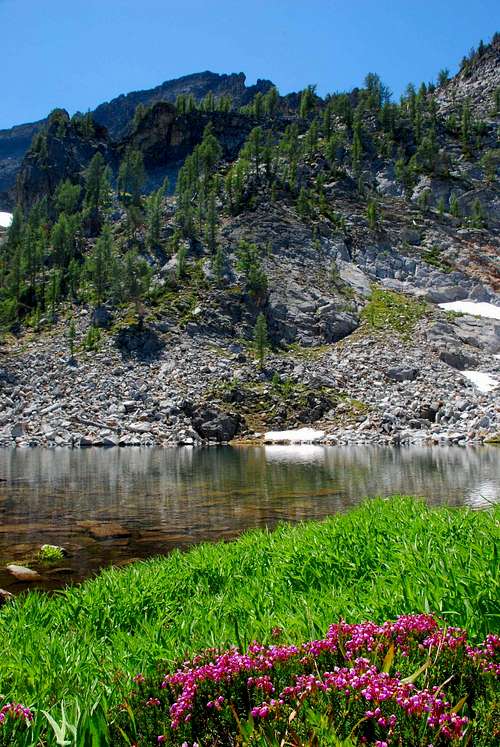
(78, 53)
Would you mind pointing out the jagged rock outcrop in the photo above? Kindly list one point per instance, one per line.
(14, 143)
(117, 114)
(63, 152)
(476, 82)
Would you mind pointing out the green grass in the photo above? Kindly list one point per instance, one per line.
(388, 310)
(433, 256)
(385, 558)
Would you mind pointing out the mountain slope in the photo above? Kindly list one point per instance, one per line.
(338, 224)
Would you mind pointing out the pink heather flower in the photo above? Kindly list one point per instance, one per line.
(359, 679)
(15, 711)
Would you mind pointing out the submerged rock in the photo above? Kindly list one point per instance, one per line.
(105, 531)
(21, 573)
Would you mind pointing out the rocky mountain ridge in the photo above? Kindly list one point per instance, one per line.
(346, 256)
(117, 115)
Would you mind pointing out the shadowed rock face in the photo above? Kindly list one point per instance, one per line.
(116, 115)
(67, 154)
(13, 145)
(165, 137)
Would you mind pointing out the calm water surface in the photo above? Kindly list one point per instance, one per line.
(110, 506)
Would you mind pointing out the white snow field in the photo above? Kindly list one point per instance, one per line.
(484, 382)
(5, 219)
(297, 436)
(472, 307)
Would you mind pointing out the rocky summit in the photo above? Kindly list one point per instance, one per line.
(208, 262)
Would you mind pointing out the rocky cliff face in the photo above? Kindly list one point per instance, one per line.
(64, 153)
(14, 143)
(165, 137)
(477, 82)
(117, 115)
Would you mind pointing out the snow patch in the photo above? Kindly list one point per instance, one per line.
(483, 381)
(5, 219)
(297, 436)
(472, 307)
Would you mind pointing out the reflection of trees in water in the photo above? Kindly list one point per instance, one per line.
(219, 487)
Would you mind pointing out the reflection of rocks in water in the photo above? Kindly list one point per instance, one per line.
(107, 506)
(483, 495)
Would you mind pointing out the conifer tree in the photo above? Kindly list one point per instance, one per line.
(54, 290)
(270, 101)
(249, 264)
(67, 197)
(153, 211)
(218, 263)
(454, 206)
(97, 193)
(307, 101)
(372, 214)
(253, 149)
(211, 222)
(489, 165)
(477, 219)
(260, 339)
(93, 182)
(443, 77)
(303, 203)
(258, 105)
(131, 176)
(99, 264)
(136, 281)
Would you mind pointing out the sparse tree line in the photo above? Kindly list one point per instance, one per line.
(64, 249)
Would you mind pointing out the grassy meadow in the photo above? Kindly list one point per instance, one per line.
(78, 649)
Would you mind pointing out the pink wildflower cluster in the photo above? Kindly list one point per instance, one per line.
(15, 711)
(374, 687)
(486, 653)
(370, 637)
(385, 699)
